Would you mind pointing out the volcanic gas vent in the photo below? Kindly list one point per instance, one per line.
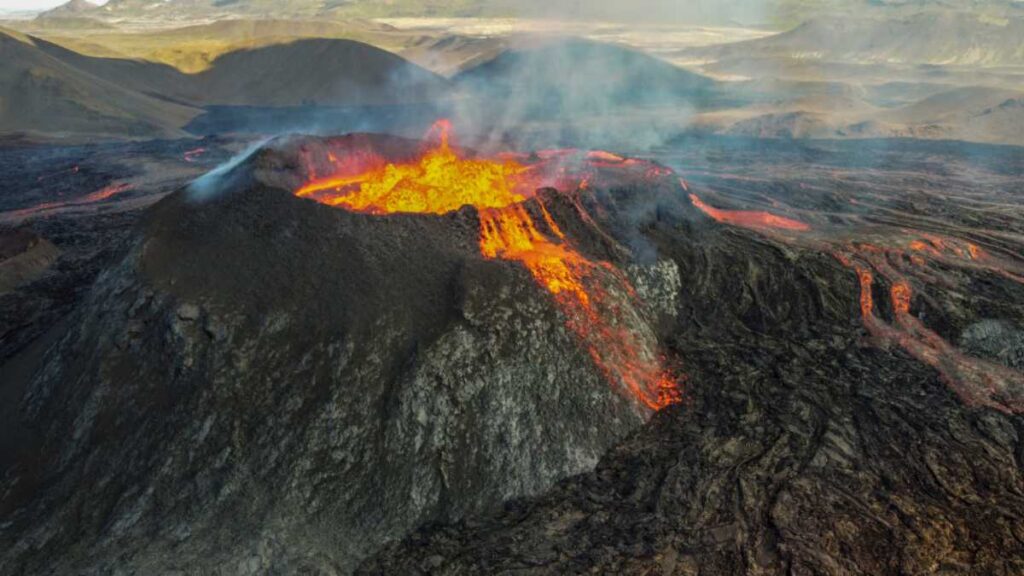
(400, 357)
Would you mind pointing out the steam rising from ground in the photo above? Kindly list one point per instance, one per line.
(207, 185)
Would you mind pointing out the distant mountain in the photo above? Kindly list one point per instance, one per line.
(308, 71)
(324, 72)
(567, 77)
(194, 9)
(580, 93)
(49, 89)
(40, 93)
(72, 9)
(940, 38)
(974, 114)
(776, 13)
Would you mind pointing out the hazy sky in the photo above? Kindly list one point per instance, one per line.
(34, 4)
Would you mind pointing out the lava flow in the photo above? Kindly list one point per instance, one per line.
(193, 155)
(748, 219)
(595, 297)
(978, 382)
(100, 195)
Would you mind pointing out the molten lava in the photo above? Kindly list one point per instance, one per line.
(977, 381)
(439, 183)
(749, 219)
(594, 296)
(100, 195)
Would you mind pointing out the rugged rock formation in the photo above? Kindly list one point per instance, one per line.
(804, 449)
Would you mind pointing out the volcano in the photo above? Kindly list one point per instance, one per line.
(388, 354)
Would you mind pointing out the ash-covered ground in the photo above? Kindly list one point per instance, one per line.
(255, 383)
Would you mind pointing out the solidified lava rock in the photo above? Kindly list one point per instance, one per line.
(803, 449)
(266, 384)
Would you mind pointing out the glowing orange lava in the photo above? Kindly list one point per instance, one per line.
(867, 305)
(46, 207)
(439, 183)
(593, 295)
(901, 294)
(749, 219)
(977, 381)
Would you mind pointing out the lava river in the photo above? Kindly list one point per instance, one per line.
(590, 293)
(977, 381)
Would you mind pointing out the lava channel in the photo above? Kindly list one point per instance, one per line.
(590, 293)
(748, 219)
(100, 195)
(978, 382)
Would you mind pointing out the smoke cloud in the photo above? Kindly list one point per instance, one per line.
(572, 92)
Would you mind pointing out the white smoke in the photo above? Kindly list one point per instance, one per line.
(207, 185)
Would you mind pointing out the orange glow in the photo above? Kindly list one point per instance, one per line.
(594, 296)
(975, 252)
(901, 294)
(867, 304)
(977, 381)
(920, 246)
(439, 183)
(749, 219)
(100, 195)
(104, 193)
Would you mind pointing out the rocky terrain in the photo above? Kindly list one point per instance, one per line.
(251, 357)
(641, 301)
(807, 445)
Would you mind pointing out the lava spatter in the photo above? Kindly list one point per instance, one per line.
(592, 294)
